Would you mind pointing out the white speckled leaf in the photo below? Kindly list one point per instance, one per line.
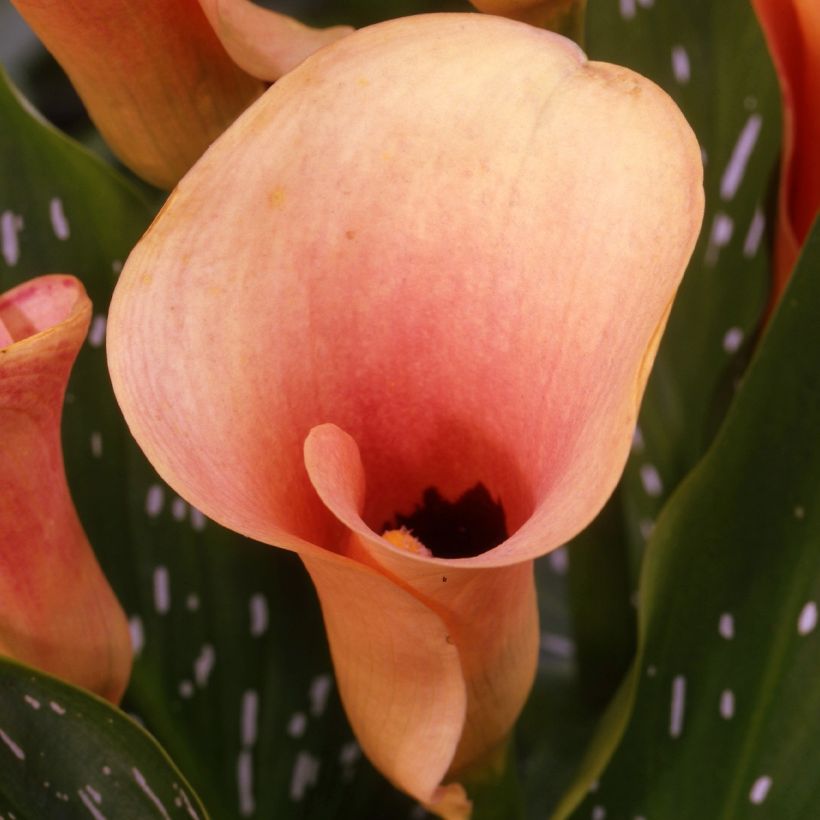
(723, 707)
(65, 753)
(232, 673)
(711, 58)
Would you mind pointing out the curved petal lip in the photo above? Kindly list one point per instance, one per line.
(263, 42)
(35, 309)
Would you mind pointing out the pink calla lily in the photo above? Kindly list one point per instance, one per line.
(792, 29)
(439, 254)
(58, 612)
(163, 78)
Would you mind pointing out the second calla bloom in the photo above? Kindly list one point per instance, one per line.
(434, 260)
(57, 612)
(792, 29)
(163, 78)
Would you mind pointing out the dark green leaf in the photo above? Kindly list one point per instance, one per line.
(65, 753)
(724, 703)
(711, 58)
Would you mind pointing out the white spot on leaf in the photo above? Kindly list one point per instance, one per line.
(558, 645)
(808, 618)
(678, 706)
(137, 634)
(249, 717)
(736, 168)
(87, 802)
(244, 782)
(204, 664)
(651, 480)
(96, 334)
(59, 223)
(10, 225)
(198, 520)
(559, 561)
(349, 753)
(304, 775)
(15, 749)
(627, 9)
(178, 509)
(258, 611)
(319, 690)
(755, 233)
(680, 65)
(760, 789)
(297, 724)
(154, 500)
(723, 227)
(162, 590)
(732, 340)
(726, 626)
(727, 704)
(143, 784)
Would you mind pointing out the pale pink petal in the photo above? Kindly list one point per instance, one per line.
(459, 252)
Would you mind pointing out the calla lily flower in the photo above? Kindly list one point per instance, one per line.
(156, 79)
(792, 29)
(399, 319)
(58, 612)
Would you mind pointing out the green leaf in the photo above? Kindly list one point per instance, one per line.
(232, 673)
(723, 704)
(66, 753)
(712, 60)
(730, 97)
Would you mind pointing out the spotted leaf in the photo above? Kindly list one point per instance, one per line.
(66, 753)
(721, 708)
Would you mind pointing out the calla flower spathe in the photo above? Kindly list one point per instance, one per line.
(155, 77)
(58, 612)
(792, 29)
(439, 253)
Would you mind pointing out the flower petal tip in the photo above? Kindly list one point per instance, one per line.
(450, 802)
